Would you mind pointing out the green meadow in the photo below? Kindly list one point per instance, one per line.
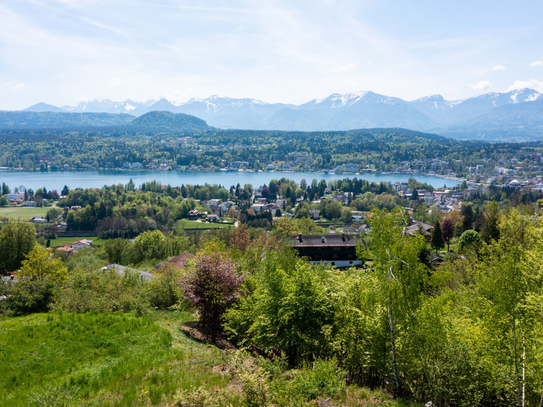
(100, 359)
(22, 213)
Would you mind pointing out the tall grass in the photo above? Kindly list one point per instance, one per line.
(93, 359)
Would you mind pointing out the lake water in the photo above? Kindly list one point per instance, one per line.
(98, 178)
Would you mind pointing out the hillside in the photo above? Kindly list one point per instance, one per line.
(48, 119)
(168, 122)
(100, 359)
(514, 122)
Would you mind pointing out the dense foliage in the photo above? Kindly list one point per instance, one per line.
(381, 149)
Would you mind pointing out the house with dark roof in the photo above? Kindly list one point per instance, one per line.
(194, 214)
(335, 250)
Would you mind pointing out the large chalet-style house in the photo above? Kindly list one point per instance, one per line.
(336, 250)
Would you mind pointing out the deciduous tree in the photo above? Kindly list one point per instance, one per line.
(211, 286)
(16, 241)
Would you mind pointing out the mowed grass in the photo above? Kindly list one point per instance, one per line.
(61, 241)
(22, 213)
(101, 359)
(191, 224)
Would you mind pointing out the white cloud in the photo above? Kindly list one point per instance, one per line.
(531, 84)
(498, 68)
(480, 71)
(19, 86)
(536, 63)
(481, 85)
(343, 68)
(114, 84)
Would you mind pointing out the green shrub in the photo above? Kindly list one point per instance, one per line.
(28, 296)
(324, 379)
(105, 291)
(164, 289)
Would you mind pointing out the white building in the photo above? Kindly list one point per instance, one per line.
(15, 196)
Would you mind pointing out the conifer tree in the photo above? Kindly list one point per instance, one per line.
(437, 238)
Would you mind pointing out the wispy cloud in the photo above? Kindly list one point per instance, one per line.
(531, 84)
(536, 63)
(498, 68)
(481, 85)
(19, 86)
(343, 68)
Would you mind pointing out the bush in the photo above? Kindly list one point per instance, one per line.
(324, 379)
(470, 240)
(106, 291)
(165, 290)
(28, 296)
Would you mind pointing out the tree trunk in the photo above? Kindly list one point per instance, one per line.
(398, 391)
(519, 398)
(523, 371)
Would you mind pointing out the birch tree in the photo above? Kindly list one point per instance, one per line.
(402, 277)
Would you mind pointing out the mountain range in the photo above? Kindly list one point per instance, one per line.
(514, 115)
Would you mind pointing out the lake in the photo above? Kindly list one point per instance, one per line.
(98, 178)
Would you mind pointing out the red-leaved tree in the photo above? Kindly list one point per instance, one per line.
(211, 286)
(447, 230)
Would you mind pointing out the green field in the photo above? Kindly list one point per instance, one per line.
(191, 224)
(22, 213)
(61, 241)
(100, 359)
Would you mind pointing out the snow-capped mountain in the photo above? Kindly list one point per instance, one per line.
(356, 110)
(110, 106)
(453, 112)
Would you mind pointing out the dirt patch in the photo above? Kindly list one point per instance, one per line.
(201, 335)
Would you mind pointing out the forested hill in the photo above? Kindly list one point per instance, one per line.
(57, 120)
(400, 131)
(169, 122)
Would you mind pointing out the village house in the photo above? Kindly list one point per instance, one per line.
(212, 218)
(178, 262)
(81, 244)
(314, 214)
(194, 214)
(335, 250)
(15, 196)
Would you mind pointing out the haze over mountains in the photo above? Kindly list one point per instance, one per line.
(514, 115)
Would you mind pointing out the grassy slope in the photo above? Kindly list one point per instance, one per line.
(101, 359)
(114, 360)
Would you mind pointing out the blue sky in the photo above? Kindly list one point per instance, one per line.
(65, 51)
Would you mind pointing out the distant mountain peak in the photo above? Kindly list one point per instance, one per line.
(43, 107)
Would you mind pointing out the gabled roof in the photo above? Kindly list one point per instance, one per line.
(179, 261)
